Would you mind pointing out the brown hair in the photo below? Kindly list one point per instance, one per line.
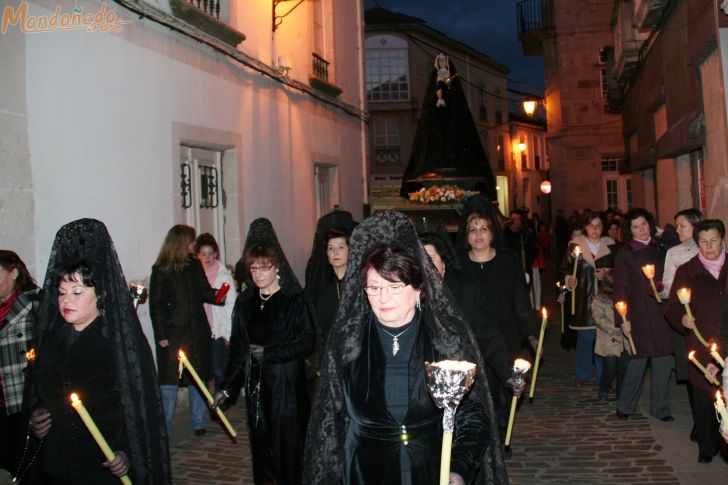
(174, 254)
(260, 252)
(477, 215)
(206, 239)
(393, 263)
(9, 260)
(606, 285)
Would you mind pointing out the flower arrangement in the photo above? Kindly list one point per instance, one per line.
(446, 194)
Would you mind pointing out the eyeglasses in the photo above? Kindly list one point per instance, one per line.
(260, 269)
(391, 289)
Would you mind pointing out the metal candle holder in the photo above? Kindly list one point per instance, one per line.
(139, 294)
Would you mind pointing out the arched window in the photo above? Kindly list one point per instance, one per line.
(387, 68)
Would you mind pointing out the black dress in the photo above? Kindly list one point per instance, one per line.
(80, 362)
(326, 305)
(276, 395)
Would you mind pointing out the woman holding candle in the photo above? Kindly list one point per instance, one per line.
(218, 316)
(90, 342)
(19, 296)
(178, 290)
(705, 276)
(373, 420)
(272, 335)
(592, 246)
(652, 335)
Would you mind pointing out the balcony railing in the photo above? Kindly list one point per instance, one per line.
(534, 15)
(320, 67)
(205, 16)
(210, 7)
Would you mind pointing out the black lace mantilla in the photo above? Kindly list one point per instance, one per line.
(452, 338)
(89, 240)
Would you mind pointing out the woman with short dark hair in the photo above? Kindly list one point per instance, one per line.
(705, 276)
(652, 335)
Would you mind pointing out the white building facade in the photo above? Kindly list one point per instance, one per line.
(173, 118)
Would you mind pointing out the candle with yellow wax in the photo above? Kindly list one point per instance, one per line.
(684, 295)
(710, 377)
(183, 361)
(722, 412)
(94, 430)
(716, 356)
(622, 310)
(649, 271)
(577, 253)
(544, 321)
(558, 285)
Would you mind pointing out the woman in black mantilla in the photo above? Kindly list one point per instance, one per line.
(373, 419)
(327, 266)
(90, 341)
(272, 335)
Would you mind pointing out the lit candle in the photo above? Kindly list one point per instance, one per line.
(722, 412)
(710, 377)
(649, 271)
(577, 253)
(622, 310)
(94, 430)
(203, 388)
(520, 367)
(684, 295)
(544, 321)
(716, 356)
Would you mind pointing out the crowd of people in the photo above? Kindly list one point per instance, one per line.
(333, 374)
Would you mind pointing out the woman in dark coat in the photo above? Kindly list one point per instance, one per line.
(373, 420)
(705, 276)
(650, 331)
(178, 290)
(90, 342)
(271, 337)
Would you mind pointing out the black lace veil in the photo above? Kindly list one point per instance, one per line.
(452, 338)
(435, 227)
(261, 232)
(318, 270)
(88, 240)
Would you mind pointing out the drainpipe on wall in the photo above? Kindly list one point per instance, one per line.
(362, 106)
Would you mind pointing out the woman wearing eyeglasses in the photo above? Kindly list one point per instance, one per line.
(373, 419)
(271, 336)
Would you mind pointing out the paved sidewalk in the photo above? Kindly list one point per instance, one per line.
(567, 435)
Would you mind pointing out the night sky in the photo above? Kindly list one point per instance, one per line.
(488, 26)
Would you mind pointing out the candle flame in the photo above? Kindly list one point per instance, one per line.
(544, 313)
(455, 365)
(521, 365)
(691, 355)
(74, 398)
(621, 308)
(649, 270)
(714, 347)
(30, 355)
(181, 354)
(717, 396)
(558, 285)
(577, 251)
(683, 295)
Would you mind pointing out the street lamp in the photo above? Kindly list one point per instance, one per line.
(522, 145)
(529, 105)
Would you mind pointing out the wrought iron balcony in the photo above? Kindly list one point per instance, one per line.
(319, 78)
(205, 16)
(535, 18)
(320, 67)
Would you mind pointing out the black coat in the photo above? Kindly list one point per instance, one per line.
(651, 333)
(373, 443)
(276, 393)
(505, 299)
(472, 301)
(84, 365)
(176, 301)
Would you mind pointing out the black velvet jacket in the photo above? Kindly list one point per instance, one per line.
(374, 439)
(85, 366)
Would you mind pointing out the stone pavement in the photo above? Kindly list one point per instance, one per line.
(567, 435)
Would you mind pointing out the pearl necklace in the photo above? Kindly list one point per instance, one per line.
(263, 299)
(395, 343)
